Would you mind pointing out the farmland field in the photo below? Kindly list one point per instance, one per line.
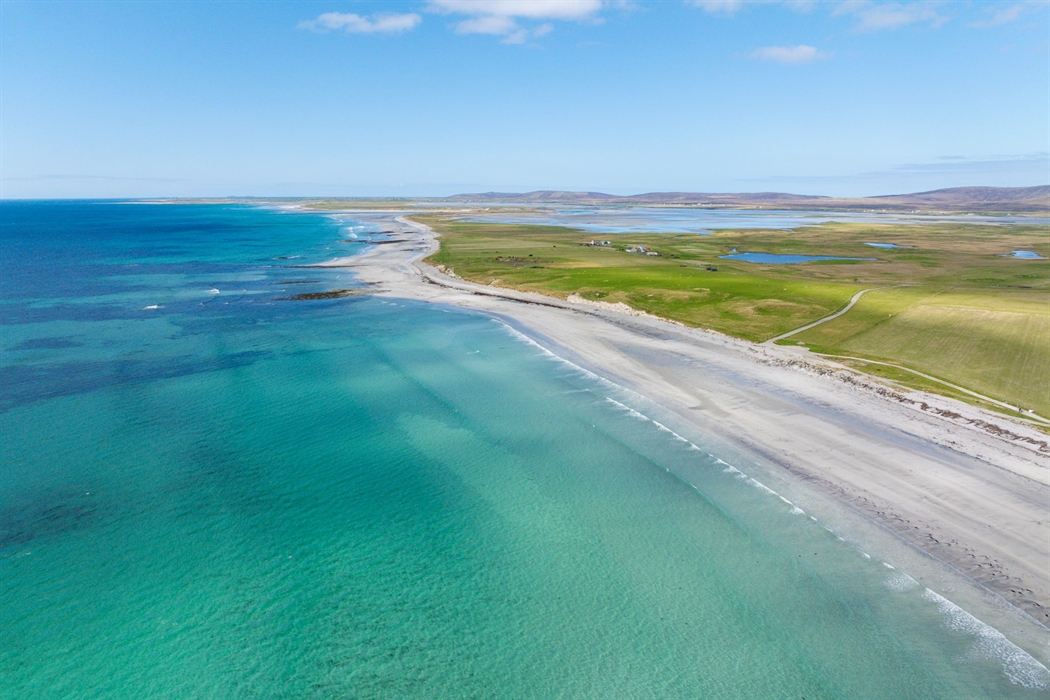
(995, 343)
(946, 301)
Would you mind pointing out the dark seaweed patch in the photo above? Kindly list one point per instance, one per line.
(47, 344)
(45, 515)
(333, 294)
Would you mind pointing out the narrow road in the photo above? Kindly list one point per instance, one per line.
(1028, 413)
(853, 300)
(856, 297)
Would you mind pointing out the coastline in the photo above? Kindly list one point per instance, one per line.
(967, 487)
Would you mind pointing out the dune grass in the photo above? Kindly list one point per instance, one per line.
(967, 315)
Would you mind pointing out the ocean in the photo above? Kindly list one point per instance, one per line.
(210, 489)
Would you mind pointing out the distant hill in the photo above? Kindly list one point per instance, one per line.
(998, 198)
(1015, 200)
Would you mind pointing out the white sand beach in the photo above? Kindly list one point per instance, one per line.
(969, 487)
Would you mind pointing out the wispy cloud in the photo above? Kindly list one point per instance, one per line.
(1010, 163)
(520, 36)
(381, 23)
(999, 15)
(1022, 170)
(729, 7)
(532, 9)
(718, 7)
(789, 55)
(487, 24)
(890, 15)
(505, 18)
(873, 15)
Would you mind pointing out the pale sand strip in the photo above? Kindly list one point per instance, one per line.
(969, 487)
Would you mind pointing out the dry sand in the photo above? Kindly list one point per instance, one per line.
(967, 486)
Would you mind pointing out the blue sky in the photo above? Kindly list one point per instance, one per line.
(434, 97)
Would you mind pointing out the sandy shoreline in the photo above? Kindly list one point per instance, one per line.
(967, 486)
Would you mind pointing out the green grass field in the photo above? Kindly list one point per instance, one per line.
(995, 342)
(968, 315)
(676, 285)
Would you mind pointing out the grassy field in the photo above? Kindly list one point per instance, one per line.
(968, 315)
(995, 342)
(676, 285)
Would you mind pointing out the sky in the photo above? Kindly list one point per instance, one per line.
(437, 97)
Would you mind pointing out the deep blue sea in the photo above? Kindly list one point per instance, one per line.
(210, 491)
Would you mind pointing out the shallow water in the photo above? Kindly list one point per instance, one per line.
(227, 494)
(693, 220)
(1026, 254)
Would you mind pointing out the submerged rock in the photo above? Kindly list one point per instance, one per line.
(333, 294)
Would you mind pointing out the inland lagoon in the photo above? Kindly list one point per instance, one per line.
(784, 259)
(225, 474)
(701, 220)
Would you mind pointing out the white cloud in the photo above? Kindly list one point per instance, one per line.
(873, 15)
(1008, 14)
(530, 9)
(790, 55)
(382, 23)
(503, 17)
(1005, 15)
(890, 15)
(519, 36)
(490, 24)
(718, 7)
(728, 7)
(522, 35)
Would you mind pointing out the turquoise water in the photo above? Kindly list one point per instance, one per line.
(780, 259)
(1026, 254)
(232, 495)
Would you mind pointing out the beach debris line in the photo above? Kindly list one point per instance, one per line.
(860, 381)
